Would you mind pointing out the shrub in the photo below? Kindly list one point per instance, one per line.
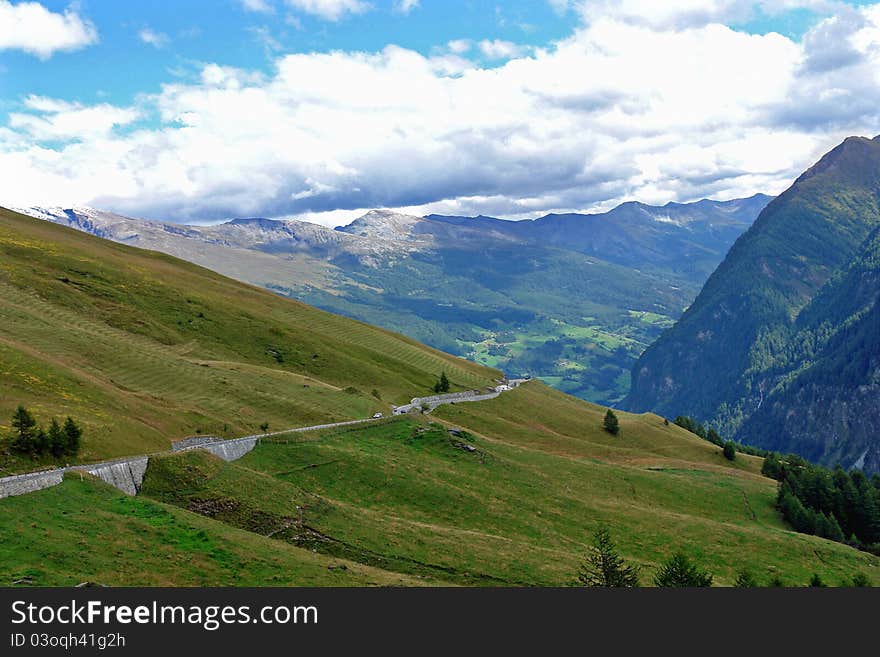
(729, 451)
(745, 580)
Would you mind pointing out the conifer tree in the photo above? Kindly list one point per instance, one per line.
(443, 384)
(25, 430)
(679, 572)
(73, 433)
(57, 439)
(610, 423)
(604, 567)
(41, 442)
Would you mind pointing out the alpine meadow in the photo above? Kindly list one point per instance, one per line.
(325, 294)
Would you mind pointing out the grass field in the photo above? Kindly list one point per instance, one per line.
(86, 531)
(520, 509)
(143, 348)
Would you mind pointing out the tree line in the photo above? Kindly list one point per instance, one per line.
(834, 504)
(58, 440)
(604, 567)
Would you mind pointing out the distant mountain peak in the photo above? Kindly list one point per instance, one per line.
(383, 224)
(854, 157)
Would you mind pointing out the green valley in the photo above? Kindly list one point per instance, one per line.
(144, 349)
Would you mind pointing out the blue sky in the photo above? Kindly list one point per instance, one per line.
(201, 110)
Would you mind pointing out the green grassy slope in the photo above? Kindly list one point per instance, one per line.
(86, 531)
(520, 509)
(143, 348)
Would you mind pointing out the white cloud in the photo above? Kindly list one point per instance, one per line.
(689, 13)
(459, 46)
(331, 10)
(259, 6)
(405, 6)
(620, 110)
(498, 49)
(265, 38)
(153, 38)
(52, 120)
(30, 27)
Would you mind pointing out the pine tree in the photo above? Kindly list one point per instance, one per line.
(604, 567)
(610, 423)
(679, 572)
(801, 519)
(57, 439)
(832, 529)
(443, 384)
(41, 442)
(73, 433)
(25, 430)
(868, 510)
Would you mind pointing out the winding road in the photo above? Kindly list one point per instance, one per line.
(133, 467)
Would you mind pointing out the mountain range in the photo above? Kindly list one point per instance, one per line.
(781, 349)
(573, 299)
(144, 349)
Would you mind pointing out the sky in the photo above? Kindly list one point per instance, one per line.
(198, 111)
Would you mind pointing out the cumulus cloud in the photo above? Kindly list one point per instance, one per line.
(30, 27)
(459, 46)
(499, 49)
(153, 38)
(622, 109)
(52, 120)
(331, 10)
(405, 6)
(829, 45)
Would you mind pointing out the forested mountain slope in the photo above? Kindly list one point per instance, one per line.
(779, 348)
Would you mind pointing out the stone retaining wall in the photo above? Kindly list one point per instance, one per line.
(128, 474)
(28, 483)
